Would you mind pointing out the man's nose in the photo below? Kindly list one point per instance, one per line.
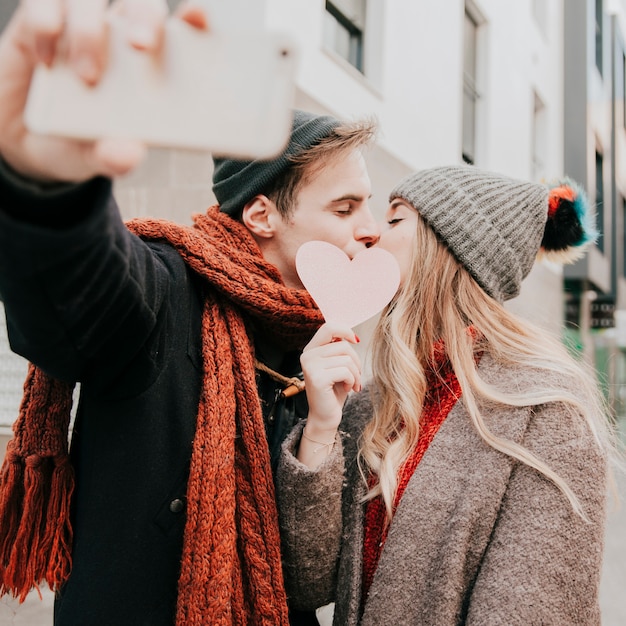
(368, 232)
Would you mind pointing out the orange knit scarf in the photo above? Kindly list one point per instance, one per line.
(231, 509)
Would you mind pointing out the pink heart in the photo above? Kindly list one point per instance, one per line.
(347, 291)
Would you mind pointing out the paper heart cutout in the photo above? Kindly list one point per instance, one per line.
(347, 291)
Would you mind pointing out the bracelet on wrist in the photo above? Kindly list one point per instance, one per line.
(321, 444)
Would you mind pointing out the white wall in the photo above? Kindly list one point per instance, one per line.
(416, 87)
(414, 65)
(414, 82)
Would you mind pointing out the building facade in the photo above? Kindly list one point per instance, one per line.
(503, 85)
(595, 155)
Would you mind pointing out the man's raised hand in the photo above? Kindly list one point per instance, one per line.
(38, 31)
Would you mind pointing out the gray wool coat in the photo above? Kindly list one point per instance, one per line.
(478, 538)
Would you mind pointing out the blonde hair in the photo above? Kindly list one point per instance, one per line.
(438, 301)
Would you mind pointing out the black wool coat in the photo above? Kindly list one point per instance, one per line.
(86, 300)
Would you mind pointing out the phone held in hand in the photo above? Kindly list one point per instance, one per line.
(228, 93)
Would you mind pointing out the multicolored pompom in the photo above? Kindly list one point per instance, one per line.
(570, 227)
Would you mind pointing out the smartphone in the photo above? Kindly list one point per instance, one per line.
(228, 93)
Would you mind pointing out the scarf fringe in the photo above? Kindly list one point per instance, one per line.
(11, 497)
(37, 533)
(58, 537)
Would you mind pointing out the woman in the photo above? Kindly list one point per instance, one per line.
(466, 484)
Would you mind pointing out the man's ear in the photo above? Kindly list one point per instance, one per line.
(259, 216)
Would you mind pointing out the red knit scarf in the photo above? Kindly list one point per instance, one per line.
(231, 567)
(443, 392)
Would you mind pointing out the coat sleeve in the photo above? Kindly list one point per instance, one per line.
(543, 562)
(309, 503)
(82, 295)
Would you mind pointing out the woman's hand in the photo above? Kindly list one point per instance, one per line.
(331, 369)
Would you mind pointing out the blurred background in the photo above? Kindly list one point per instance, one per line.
(534, 89)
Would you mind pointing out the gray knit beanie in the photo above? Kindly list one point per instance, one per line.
(495, 225)
(237, 182)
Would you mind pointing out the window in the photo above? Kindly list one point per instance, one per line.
(539, 140)
(344, 24)
(470, 92)
(599, 35)
(600, 199)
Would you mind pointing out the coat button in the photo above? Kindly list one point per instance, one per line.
(176, 506)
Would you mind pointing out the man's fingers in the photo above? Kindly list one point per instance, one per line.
(146, 23)
(87, 38)
(42, 23)
(39, 158)
(193, 14)
(83, 26)
(116, 157)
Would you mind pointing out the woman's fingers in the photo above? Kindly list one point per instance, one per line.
(330, 364)
(329, 333)
(331, 369)
(329, 358)
(327, 371)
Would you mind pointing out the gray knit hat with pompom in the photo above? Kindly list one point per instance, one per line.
(496, 225)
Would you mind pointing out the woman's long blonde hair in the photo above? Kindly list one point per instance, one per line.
(438, 301)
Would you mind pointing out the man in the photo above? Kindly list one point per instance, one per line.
(172, 513)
